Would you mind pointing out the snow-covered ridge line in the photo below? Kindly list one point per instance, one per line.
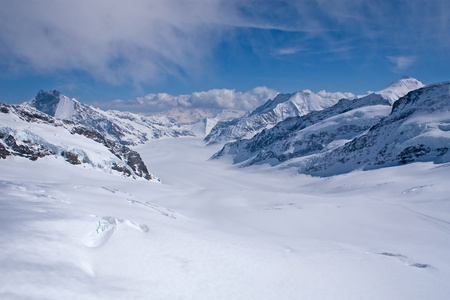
(124, 127)
(313, 133)
(365, 133)
(76, 143)
(295, 105)
(272, 112)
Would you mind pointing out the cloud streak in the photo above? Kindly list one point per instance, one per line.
(402, 63)
(110, 40)
(139, 41)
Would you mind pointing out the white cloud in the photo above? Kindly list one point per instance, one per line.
(402, 63)
(111, 40)
(140, 41)
(288, 50)
(216, 98)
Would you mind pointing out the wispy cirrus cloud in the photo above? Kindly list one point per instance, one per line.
(142, 41)
(113, 41)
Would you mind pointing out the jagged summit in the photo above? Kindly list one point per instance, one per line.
(74, 142)
(123, 127)
(366, 133)
(296, 104)
(272, 112)
(55, 104)
(313, 133)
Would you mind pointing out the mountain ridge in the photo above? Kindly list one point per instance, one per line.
(326, 142)
(124, 127)
(272, 112)
(29, 133)
(296, 104)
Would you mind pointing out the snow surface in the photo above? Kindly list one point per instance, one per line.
(400, 88)
(214, 231)
(65, 108)
(58, 139)
(272, 112)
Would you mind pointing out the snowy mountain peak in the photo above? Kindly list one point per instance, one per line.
(123, 127)
(74, 142)
(55, 104)
(400, 88)
(304, 101)
(365, 133)
(272, 112)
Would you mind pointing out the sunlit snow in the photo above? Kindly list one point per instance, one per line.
(214, 231)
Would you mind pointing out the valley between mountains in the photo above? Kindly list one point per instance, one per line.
(348, 199)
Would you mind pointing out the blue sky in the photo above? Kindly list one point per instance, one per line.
(120, 52)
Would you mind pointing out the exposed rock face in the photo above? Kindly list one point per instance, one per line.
(309, 134)
(296, 105)
(412, 132)
(356, 134)
(122, 127)
(272, 112)
(28, 149)
(29, 144)
(47, 102)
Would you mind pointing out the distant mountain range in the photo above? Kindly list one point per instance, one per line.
(295, 105)
(374, 131)
(317, 133)
(123, 127)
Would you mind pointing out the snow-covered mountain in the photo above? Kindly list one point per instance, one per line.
(220, 232)
(272, 112)
(30, 133)
(417, 129)
(333, 140)
(193, 115)
(124, 127)
(398, 89)
(199, 121)
(316, 132)
(293, 105)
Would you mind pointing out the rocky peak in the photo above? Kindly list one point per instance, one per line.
(46, 102)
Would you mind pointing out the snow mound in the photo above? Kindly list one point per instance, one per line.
(105, 229)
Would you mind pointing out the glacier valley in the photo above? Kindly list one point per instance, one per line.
(83, 218)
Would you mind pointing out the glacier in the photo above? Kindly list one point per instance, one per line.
(248, 225)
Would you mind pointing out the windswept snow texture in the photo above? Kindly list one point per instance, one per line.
(272, 112)
(212, 231)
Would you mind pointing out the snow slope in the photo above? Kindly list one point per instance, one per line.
(272, 112)
(296, 105)
(212, 231)
(400, 88)
(314, 133)
(123, 127)
(27, 132)
(417, 129)
(353, 134)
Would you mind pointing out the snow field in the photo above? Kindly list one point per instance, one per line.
(214, 231)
